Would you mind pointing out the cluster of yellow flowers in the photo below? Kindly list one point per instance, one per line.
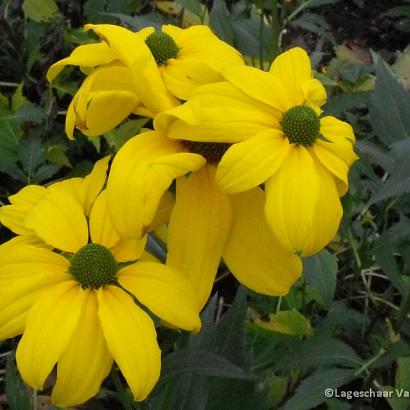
(259, 174)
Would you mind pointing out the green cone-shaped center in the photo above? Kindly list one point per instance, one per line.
(162, 46)
(93, 266)
(301, 125)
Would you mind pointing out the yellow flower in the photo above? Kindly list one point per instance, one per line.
(273, 121)
(206, 224)
(141, 73)
(74, 301)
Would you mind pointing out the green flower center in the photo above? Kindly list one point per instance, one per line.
(301, 125)
(211, 151)
(94, 266)
(162, 46)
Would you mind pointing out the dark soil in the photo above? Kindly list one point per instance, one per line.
(364, 23)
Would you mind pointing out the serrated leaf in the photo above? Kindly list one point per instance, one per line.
(40, 10)
(31, 155)
(399, 180)
(289, 322)
(310, 392)
(320, 272)
(16, 393)
(56, 155)
(390, 106)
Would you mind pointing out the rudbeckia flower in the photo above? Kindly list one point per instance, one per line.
(206, 224)
(75, 302)
(278, 137)
(127, 67)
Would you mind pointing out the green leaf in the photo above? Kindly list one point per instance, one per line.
(56, 154)
(315, 352)
(320, 271)
(343, 102)
(120, 135)
(200, 362)
(402, 385)
(230, 330)
(40, 10)
(191, 5)
(399, 180)
(289, 322)
(16, 393)
(390, 106)
(220, 21)
(31, 154)
(310, 392)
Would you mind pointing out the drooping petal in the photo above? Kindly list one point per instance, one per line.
(252, 252)
(164, 210)
(86, 362)
(165, 292)
(13, 216)
(141, 171)
(182, 76)
(131, 339)
(59, 220)
(106, 110)
(50, 326)
(259, 85)
(198, 230)
(291, 199)
(293, 68)
(70, 120)
(250, 163)
(314, 93)
(87, 55)
(338, 155)
(217, 112)
(29, 239)
(328, 213)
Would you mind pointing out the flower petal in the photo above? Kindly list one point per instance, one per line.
(86, 362)
(314, 92)
(101, 229)
(59, 220)
(86, 189)
(131, 339)
(105, 110)
(141, 172)
(164, 291)
(198, 230)
(127, 250)
(46, 335)
(338, 155)
(217, 113)
(328, 214)
(24, 272)
(259, 85)
(252, 252)
(250, 163)
(293, 68)
(13, 216)
(291, 199)
(87, 55)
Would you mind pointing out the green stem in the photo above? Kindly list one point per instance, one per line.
(365, 366)
(403, 311)
(261, 37)
(121, 392)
